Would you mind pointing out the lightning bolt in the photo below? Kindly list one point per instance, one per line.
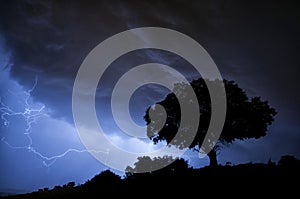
(31, 115)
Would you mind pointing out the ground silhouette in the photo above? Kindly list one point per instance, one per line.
(251, 179)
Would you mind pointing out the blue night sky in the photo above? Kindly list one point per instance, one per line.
(43, 43)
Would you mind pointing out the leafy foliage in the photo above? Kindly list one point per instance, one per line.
(145, 162)
(245, 118)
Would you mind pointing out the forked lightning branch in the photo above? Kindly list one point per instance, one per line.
(31, 115)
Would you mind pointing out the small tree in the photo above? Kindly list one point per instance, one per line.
(245, 118)
(168, 163)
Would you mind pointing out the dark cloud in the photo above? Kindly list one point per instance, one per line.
(51, 39)
(254, 43)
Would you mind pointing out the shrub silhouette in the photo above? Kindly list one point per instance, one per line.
(166, 163)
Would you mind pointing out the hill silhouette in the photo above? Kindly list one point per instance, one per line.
(251, 179)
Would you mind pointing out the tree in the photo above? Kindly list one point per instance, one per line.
(168, 163)
(245, 118)
(288, 161)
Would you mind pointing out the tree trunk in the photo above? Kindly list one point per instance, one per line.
(213, 158)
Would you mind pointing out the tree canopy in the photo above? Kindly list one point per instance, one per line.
(168, 163)
(245, 118)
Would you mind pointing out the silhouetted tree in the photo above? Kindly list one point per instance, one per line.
(167, 163)
(105, 180)
(289, 161)
(245, 118)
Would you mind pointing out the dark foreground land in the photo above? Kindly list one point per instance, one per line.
(243, 181)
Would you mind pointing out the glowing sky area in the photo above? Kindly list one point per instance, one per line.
(43, 43)
(46, 149)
